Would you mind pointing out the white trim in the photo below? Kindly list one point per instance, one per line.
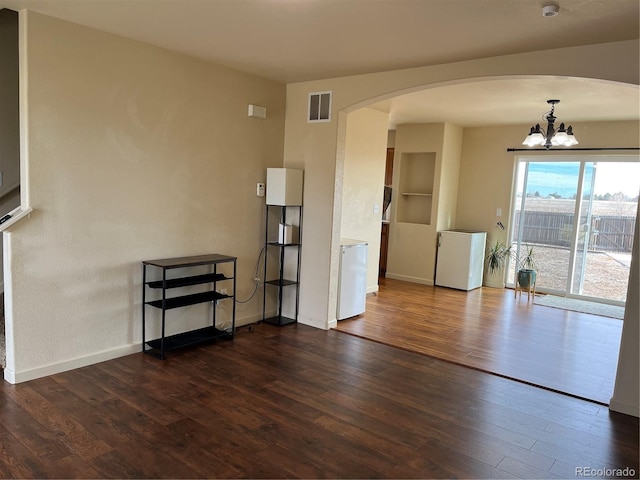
(408, 278)
(626, 408)
(51, 369)
(14, 377)
(8, 301)
(372, 289)
(23, 77)
(312, 322)
(16, 215)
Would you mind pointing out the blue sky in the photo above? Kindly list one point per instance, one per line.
(562, 178)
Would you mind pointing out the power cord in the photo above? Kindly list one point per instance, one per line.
(256, 278)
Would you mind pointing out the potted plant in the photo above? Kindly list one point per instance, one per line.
(527, 265)
(497, 255)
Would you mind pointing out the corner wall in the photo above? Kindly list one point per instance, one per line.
(363, 184)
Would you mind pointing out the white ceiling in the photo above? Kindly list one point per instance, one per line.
(298, 40)
(515, 101)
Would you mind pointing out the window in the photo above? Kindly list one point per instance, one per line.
(579, 216)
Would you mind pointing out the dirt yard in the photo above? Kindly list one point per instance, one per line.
(605, 276)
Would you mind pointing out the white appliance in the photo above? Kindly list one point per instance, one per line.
(352, 280)
(460, 261)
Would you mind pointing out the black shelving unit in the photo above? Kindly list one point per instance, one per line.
(159, 346)
(280, 283)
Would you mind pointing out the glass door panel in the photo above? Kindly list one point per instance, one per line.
(605, 236)
(544, 215)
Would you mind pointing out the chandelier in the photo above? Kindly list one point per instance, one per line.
(551, 137)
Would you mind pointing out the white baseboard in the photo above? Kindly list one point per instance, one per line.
(46, 370)
(66, 365)
(407, 278)
(313, 322)
(332, 324)
(372, 289)
(626, 408)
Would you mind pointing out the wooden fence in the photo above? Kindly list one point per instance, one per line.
(607, 233)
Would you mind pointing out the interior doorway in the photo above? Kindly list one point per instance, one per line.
(579, 216)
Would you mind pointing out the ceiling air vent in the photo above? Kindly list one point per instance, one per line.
(319, 107)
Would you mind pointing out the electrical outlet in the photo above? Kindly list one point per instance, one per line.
(222, 291)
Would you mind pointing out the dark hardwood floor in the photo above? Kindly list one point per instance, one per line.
(490, 330)
(300, 402)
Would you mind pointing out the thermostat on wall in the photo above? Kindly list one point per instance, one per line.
(257, 111)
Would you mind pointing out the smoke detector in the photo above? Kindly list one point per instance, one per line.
(550, 10)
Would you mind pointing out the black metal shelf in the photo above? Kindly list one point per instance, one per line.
(211, 262)
(185, 300)
(281, 282)
(279, 320)
(291, 254)
(185, 339)
(187, 281)
(277, 244)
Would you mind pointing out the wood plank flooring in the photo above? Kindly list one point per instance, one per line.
(300, 402)
(490, 330)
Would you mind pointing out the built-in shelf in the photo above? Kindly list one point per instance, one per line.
(415, 185)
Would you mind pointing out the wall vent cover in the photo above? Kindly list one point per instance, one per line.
(319, 107)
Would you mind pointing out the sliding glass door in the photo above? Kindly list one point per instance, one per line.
(579, 216)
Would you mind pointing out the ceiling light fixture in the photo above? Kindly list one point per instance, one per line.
(550, 10)
(551, 137)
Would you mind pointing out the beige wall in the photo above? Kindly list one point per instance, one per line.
(363, 184)
(135, 153)
(447, 200)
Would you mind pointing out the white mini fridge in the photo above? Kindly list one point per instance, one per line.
(352, 280)
(460, 260)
